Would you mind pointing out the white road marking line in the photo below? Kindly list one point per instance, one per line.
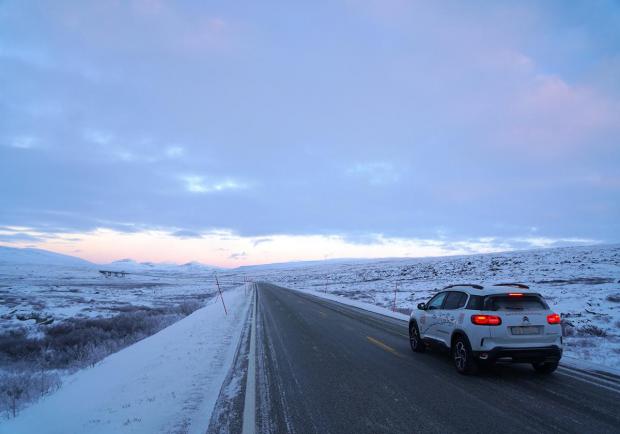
(587, 380)
(602, 377)
(249, 405)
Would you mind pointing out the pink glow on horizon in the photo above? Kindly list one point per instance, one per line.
(225, 249)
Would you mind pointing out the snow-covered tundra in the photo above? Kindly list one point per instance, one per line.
(64, 302)
(168, 382)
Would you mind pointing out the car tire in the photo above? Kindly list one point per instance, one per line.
(415, 341)
(545, 367)
(462, 356)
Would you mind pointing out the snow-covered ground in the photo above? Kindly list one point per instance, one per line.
(47, 299)
(31, 294)
(168, 382)
(581, 283)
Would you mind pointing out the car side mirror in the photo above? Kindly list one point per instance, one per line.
(421, 306)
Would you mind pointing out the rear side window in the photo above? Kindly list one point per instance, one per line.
(476, 302)
(506, 302)
(455, 300)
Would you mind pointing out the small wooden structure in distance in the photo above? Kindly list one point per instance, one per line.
(108, 273)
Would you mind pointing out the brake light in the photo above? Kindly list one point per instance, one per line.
(553, 318)
(490, 320)
(515, 294)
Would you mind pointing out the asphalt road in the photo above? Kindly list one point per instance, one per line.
(327, 368)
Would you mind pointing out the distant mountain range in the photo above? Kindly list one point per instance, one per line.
(311, 263)
(130, 264)
(29, 256)
(13, 255)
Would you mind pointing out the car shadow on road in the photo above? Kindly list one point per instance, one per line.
(517, 372)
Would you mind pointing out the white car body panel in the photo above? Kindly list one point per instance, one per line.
(440, 324)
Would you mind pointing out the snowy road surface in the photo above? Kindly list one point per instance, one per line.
(326, 367)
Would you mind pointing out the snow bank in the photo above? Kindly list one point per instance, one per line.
(168, 382)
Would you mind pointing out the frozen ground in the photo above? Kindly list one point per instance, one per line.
(35, 295)
(59, 314)
(581, 283)
(168, 382)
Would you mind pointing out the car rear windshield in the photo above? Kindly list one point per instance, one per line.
(507, 302)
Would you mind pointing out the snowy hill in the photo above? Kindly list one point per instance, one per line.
(130, 265)
(127, 265)
(197, 266)
(13, 255)
(301, 264)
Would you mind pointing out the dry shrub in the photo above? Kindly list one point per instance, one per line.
(592, 330)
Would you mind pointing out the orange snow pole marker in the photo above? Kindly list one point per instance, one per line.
(221, 296)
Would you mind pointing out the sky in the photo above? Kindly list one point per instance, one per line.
(236, 133)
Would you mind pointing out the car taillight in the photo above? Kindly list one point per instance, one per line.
(490, 320)
(553, 318)
(515, 294)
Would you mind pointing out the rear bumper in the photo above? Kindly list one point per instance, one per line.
(552, 353)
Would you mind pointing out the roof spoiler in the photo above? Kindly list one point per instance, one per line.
(473, 285)
(514, 285)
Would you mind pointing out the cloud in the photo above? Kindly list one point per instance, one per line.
(19, 238)
(174, 151)
(259, 241)
(238, 256)
(98, 137)
(170, 27)
(21, 235)
(198, 184)
(375, 172)
(210, 34)
(394, 118)
(132, 148)
(215, 247)
(601, 181)
(23, 142)
(363, 238)
(552, 114)
(546, 242)
(184, 234)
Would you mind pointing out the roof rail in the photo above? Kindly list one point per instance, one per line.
(514, 285)
(473, 285)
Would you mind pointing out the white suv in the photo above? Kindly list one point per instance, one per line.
(503, 322)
